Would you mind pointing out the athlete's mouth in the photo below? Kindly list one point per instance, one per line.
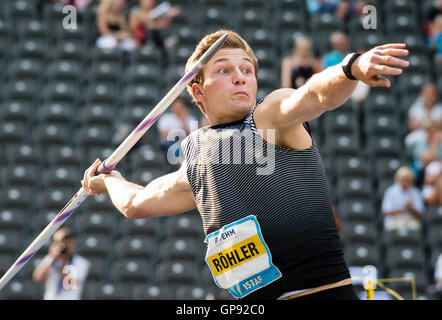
(242, 93)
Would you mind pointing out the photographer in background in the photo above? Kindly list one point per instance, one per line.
(62, 269)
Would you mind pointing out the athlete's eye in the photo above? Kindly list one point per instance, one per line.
(223, 70)
(247, 70)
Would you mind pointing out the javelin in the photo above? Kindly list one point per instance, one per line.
(109, 164)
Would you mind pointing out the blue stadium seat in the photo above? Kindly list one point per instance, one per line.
(97, 269)
(52, 134)
(61, 113)
(93, 245)
(131, 270)
(404, 288)
(359, 232)
(142, 227)
(403, 237)
(10, 242)
(194, 292)
(184, 225)
(181, 248)
(354, 187)
(135, 246)
(17, 111)
(405, 257)
(176, 272)
(54, 198)
(61, 176)
(33, 30)
(15, 197)
(145, 175)
(22, 175)
(107, 291)
(355, 210)
(152, 292)
(148, 158)
(353, 167)
(65, 70)
(360, 255)
(64, 156)
(13, 219)
(96, 222)
(22, 290)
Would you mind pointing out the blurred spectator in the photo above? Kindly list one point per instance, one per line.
(343, 9)
(176, 125)
(426, 109)
(425, 151)
(299, 67)
(435, 39)
(438, 276)
(402, 205)
(79, 4)
(150, 23)
(432, 12)
(432, 189)
(112, 26)
(424, 112)
(340, 44)
(322, 6)
(63, 271)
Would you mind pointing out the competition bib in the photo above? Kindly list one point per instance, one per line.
(239, 259)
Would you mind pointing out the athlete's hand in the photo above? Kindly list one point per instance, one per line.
(94, 184)
(380, 61)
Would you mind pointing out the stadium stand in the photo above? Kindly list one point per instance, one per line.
(61, 99)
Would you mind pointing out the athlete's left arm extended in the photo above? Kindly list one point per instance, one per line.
(331, 88)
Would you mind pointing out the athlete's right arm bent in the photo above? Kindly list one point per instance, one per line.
(167, 195)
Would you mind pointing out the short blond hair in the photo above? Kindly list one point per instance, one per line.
(403, 172)
(233, 41)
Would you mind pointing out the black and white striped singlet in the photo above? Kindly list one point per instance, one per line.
(287, 190)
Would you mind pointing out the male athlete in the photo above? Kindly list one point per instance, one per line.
(270, 231)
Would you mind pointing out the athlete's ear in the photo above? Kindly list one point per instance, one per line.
(198, 92)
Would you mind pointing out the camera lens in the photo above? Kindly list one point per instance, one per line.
(63, 249)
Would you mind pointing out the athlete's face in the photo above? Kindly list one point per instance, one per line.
(229, 89)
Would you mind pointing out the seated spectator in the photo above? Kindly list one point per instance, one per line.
(424, 111)
(79, 4)
(112, 26)
(175, 126)
(402, 205)
(432, 12)
(432, 189)
(343, 9)
(322, 6)
(435, 39)
(425, 151)
(339, 43)
(150, 23)
(299, 67)
(438, 276)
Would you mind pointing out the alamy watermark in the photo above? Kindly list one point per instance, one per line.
(70, 278)
(370, 18)
(70, 18)
(228, 146)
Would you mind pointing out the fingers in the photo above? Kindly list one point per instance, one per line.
(380, 82)
(392, 61)
(392, 46)
(88, 175)
(394, 52)
(386, 70)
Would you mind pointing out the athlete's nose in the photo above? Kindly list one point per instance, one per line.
(238, 77)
